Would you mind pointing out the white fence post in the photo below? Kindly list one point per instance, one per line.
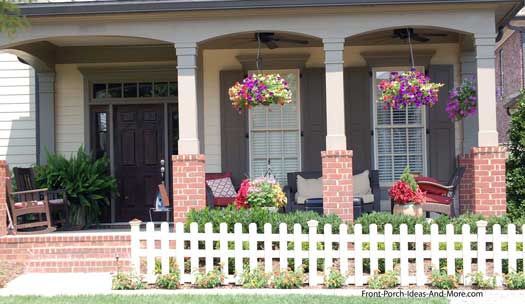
(451, 259)
(297, 246)
(179, 248)
(327, 249)
(511, 251)
(194, 249)
(403, 246)
(268, 247)
(372, 252)
(135, 245)
(150, 249)
(283, 246)
(165, 247)
(467, 253)
(420, 266)
(343, 248)
(223, 244)
(482, 246)
(312, 252)
(252, 232)
(238, 251)
(208, 246)
(389, 260)
(434, 246)
(496, 251)
(358, 255)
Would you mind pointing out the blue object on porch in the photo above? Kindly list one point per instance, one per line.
(161, 203)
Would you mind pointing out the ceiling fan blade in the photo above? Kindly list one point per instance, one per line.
(419, 38)
(271, 44)
(435, 34)
(296, 41)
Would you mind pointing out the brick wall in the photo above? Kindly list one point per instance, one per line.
(68, 252)
(483, 187)
(337, 184)
(189, 186)
(3, 197)
(512, 79)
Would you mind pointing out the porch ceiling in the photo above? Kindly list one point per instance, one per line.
(102, 41)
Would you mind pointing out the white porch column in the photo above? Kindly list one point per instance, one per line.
(187, 83)
(335, 97)
(485, 58)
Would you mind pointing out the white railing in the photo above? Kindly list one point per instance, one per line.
(414, 254)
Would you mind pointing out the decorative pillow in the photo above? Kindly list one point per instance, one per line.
(222, 187)
(430, 185)
(308, 188)
(361, 183)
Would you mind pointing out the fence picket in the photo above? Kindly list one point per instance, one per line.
(237, 228)
(283, 245)
(434, 246)
(312, 252)
(223, 245)
(467, 253)
(268, 247)
(389, 260)
(328, 262)
(451, 259)
(403, 246)
(350, 246)
(297, 246)
(358, 255)
(511, 235)
(420, 262)
(372, 252)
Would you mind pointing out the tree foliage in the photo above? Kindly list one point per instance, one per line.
(516, 162)
(11, 19)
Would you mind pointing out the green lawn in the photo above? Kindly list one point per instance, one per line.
(187, 299)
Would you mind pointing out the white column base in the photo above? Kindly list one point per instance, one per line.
(188, 146)
(335, 142)
(488, 139)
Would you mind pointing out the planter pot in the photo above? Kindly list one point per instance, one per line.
(408, 209)
(271, 209)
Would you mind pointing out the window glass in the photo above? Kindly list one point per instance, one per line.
(161, 89)
(115, 90)
(174, 89)
(99, 90)
(145, 89)
(130, 90)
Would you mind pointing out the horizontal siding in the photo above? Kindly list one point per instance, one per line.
(69, 109)
(17, 112)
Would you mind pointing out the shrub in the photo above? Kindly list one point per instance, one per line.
(230, 215)
(515, 280)
(168, 281)
(288, 279)
(256, 278)
(479, 280)
(173, 268)
(127, 281)
(383, 218)
(389, 279)
(440, 279)
(213, 278)
(86, 180)
(335, 279)
(516, 162)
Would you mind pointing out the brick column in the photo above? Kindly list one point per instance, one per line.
(483, 187)
(337, 184)
(189, 186)
(4, 173)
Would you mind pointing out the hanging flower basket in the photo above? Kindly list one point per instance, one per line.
(260, 89)
(406, 88)
(262, 192)
(463, 100)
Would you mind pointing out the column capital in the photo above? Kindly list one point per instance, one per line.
(334, 44)
(333, 51)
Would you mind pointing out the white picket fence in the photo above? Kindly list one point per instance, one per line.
(416, 253)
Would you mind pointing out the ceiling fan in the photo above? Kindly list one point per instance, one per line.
(271, 40)
(404, 33)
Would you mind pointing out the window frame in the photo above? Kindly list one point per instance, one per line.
(422, 125)
(298, 113)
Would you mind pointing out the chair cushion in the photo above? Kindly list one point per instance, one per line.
(430, 185)
(439, 199)
(222, 187)
(367, 198)
(308, 188)
(223, 201)
(57, 201)
(361, 184)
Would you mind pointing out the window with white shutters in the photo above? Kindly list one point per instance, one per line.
(399, 137)
(275, 135)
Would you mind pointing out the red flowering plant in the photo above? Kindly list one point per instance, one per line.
(406, 191)
(260, 192)
(260, 89)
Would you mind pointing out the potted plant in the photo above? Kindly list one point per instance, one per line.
(259, 89)
(262, 192)
(406, 195)
(406, 88)
(463, 100)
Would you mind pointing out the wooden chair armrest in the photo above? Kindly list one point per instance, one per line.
(30, 191)
(436, 185)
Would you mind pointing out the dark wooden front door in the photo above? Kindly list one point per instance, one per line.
(139, 148)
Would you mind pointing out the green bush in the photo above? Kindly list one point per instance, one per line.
(516, 162)
(168, 281)
(515, 280)
(127, 281)
(256, 278)
(230, 215)
(389, 279)
(173, 268)
(86, 180)
(383, 218)
(213, 278)
(440, 279)
(335, 279)
(288, 279)
(479, 280)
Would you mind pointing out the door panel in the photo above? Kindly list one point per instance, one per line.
(139, 147)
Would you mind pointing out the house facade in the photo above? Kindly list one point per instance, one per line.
(146, 84)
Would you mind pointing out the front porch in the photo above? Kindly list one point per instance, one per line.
(156, 103)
